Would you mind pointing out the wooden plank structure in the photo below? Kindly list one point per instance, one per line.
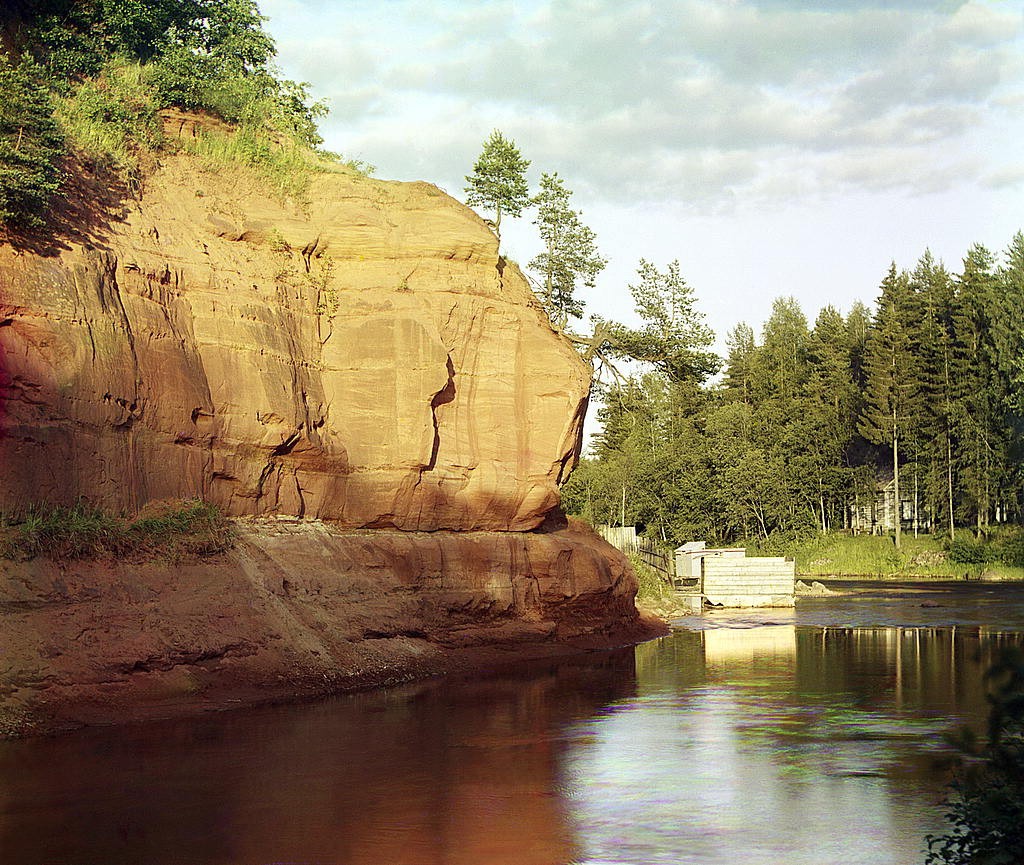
(723, 577)
(757, 581)
(726, 577)
(621, 537)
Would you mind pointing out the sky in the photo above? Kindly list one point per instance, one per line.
(774, 147)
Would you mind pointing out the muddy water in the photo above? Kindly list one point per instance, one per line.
(806, 736)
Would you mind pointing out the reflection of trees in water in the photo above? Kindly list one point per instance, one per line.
(936, 671)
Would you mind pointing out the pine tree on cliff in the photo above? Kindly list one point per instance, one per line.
(498, 181)
(570, 257)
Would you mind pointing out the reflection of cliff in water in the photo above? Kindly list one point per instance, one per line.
(443, 772)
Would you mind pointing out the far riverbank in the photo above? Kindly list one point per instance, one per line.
(923, 558)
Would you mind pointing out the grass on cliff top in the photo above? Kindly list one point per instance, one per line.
(114, 122)
(875, 556)
(174, 531)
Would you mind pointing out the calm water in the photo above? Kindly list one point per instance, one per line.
(807, 736)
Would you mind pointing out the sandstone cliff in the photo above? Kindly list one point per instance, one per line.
(362, 357)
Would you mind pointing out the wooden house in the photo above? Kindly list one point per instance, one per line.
(877, 516)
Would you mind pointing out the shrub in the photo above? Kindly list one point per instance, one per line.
(651, 588)
(1011, 550)
(987, 807)
(114, 63)
(31, 144)
(113, 118)
(971, 552)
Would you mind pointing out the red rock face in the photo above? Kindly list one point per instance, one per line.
(363, 357)
(296, 608)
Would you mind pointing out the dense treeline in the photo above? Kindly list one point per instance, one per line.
(925, 389)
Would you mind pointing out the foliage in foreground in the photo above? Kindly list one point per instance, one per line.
(170, 530)
(986, 811)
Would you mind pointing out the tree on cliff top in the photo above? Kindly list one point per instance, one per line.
(570, 257)
(498, 181)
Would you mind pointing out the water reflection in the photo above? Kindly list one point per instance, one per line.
(761, 742)
(440, 773)
(780, 743)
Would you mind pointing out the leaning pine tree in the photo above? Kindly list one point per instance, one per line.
(891, 393)
(498, 181)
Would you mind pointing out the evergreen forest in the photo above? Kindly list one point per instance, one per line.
(802, 424)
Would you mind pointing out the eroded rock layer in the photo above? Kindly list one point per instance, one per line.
(363, 356)
(298, 607)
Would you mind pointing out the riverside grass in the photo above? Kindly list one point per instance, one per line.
(876, 557)
(171, 530)
(652, 590)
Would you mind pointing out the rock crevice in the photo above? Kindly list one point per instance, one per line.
(360, 380)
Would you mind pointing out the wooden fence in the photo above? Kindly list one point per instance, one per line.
(621, 537)
(656, 556)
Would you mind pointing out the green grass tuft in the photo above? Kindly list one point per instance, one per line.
(167, 530)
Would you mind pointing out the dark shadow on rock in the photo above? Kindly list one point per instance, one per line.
(554, 521)
(91, 200)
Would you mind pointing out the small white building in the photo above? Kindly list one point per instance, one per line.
(727, 577)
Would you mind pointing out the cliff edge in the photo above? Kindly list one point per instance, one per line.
(361, 357)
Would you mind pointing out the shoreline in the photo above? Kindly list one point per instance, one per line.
(911, 578)
(77, 707)
(297, 611)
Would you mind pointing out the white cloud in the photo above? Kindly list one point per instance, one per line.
(692, 98)
(697, 112)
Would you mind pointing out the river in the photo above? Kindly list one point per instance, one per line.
(812, 735)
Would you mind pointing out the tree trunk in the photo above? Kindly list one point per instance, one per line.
(949, 484)
(896, 479)
(916, 500)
